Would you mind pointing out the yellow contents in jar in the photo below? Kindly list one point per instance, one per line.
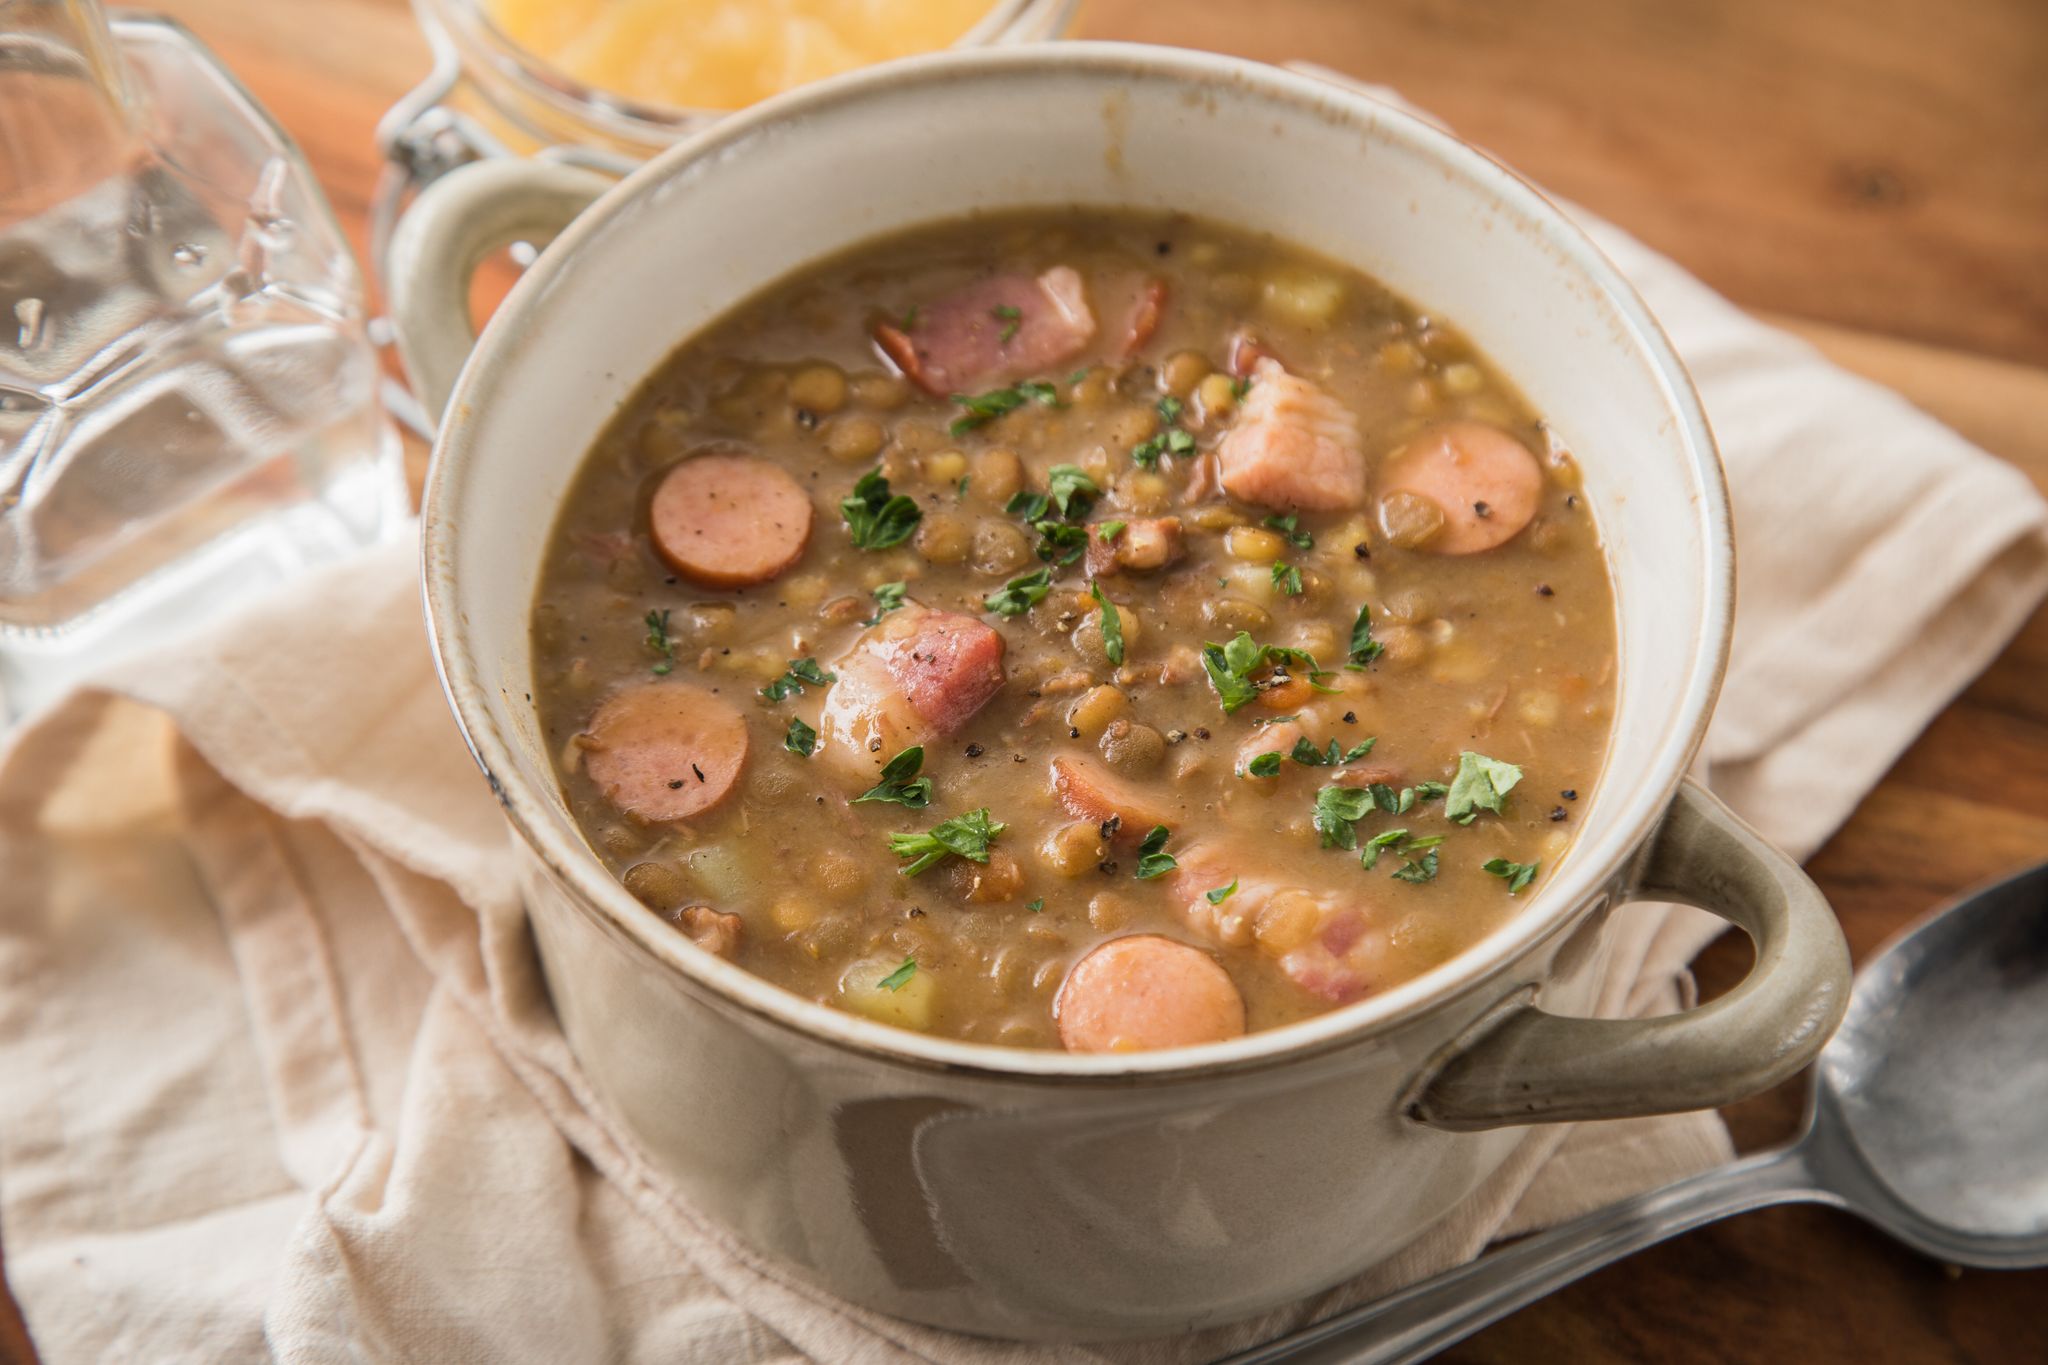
(723, 54)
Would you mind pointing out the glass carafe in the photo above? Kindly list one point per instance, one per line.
(188, 397)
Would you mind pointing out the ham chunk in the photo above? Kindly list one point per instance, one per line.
(1327, 945)
(1144, 544)
(715, 931)
(916, 676)
(992, 331)
(1292, 446)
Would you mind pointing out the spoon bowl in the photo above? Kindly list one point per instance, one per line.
(1928, 1119)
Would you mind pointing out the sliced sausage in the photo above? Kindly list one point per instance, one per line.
(1487, 484)
(666, 750)
(1142, 544)
(1145, 991)
(1292, 445)
(1091, 792)
(729, 521)
(715, 931)
(990, 331)
(915, 676)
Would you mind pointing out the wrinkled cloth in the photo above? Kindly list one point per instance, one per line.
(281, 1077)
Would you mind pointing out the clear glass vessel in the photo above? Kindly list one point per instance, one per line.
(488, 96)
(188, 396)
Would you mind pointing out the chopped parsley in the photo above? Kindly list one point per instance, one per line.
(1110, 530)
(1337, 809)
(1221, 893)
(1153, 859)
(1112, 626)
(1011, 316)
(1035, 904)
(1516, 875)
(1230, 668)
(910, 318)
(1063, 542)
(983, 408)
(876, 519)
(1398, 841)
(1286, 578)
(800, 739)
(900, 784)
(1020, 594)
(1070, 492)
(1290, 527)
(1239, 386)
(659, 641)
(1481, 783)
(1078, 375)
(1417, 871)
(1071, 489)
(1309, 756)
(888, 597)
(898, 979)
(1364, 649)
(1170, 440)
(799, 672)
(967, 835)
(1266, 764)
(1403, 801)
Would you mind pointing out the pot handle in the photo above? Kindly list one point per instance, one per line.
(452, 226)
(1523, 1065)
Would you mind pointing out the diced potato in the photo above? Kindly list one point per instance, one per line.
(1307, 300)
(908, 1005)
(719, 872)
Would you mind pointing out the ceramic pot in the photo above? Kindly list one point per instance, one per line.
(1039, 1194)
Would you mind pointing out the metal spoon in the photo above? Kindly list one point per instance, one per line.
(1928, 1118)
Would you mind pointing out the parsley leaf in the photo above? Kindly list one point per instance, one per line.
(1221, 893)
(1020, 594)
(1063, 542)
(1289, 526)
(1378, 844)
(1287, 578)
(1239, 386)
(898, 979)
(875, 519)
(1481, 783)
(1417, 872)
(967, 835)
(1170, 409)
(1112, 626)
(900, 784)
(1337, 809)
(1170, 438)
(1011, 316)
(1364, 649)
(800, 739)
(1035, 904)
(1153, 859)
(888, 597)
(1110, 530)
(800, 672)
(983, 408)
(1070, 489)
(1265, 765)
(1028, 505)
(1516, 875)
(658, 640)
(1231, 665)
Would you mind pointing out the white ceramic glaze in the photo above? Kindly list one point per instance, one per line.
(1034, 1193)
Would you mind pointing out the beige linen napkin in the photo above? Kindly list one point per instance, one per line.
(279, 1074)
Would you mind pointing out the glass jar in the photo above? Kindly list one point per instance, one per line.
(488, 96)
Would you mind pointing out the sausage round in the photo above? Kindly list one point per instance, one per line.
(1486, 482)
(665, 751)
(1145, 991)
(729, 521)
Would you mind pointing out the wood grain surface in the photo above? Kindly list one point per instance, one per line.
(1868, 172)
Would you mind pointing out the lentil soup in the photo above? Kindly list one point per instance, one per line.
(1078, 629)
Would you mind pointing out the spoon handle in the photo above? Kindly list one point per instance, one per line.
(1427, 1317)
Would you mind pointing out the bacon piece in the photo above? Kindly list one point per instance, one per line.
(1246, 351)
(917, 675)
(991, 331)
(1147, 311)
(1292, 446)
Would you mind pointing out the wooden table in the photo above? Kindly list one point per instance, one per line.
(1873, 175)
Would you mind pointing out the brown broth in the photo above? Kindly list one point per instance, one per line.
(1509, 652)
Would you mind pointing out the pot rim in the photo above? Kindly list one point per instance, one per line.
(1581, 879)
